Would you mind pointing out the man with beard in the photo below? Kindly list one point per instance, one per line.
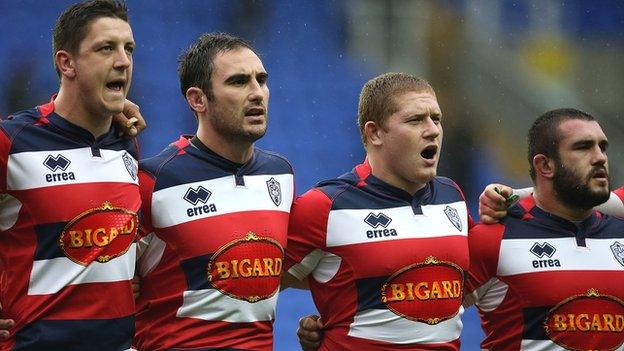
(215, 212)
(548, 276)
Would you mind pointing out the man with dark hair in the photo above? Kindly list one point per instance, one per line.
(215, 212)
(548, 276)
(70, 197)
(385, 246)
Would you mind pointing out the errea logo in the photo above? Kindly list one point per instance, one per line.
(55, 164)
(198, 195)
(379, 220)
(541, 250)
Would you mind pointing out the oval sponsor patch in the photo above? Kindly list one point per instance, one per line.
(591, 321)
(99, 234)
(429, 292)
(247, 269)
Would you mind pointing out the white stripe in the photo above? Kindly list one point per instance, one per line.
(212, 305)
(546, 345)
(516, 258)
(347, 227)
(384, 325)
(150, 250)
(50, 276)
(9, 211)
(323, 265)
(25, 170)
(488, 296)
(169, 207)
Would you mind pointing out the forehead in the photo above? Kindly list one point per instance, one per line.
(573, 130)
(108, 29)
(416, 102)
(237, 61)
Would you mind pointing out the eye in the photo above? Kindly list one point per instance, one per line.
(129, 49)
(106, 48)
(262, 79)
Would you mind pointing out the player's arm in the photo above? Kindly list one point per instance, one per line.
(290, 281)
(496, 198)
(615, 205)
(130, 119)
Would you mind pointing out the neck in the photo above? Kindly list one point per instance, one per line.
(547, 200)
(380, 169)
(233, 150)
(71, 107)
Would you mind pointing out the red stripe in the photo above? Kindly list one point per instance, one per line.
(211, 233)
(74, 199)
(620, 193)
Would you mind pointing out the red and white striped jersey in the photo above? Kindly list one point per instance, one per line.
(541, 282)
(213, 254)
(68, 222)
(386, 268)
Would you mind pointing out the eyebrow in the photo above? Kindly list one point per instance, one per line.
(244, 76)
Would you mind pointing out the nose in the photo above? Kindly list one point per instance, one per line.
(259, 92)
(432, 129)
(123, 59)
(600, 156)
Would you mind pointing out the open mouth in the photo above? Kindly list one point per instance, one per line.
(116, 85)
(255, 112)
(429, 152)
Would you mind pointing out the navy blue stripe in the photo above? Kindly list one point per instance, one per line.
(195, 270)
(369, 293)
(533, 320)
(201, 167)
(47, 240)
(76, 335)
(536, 228)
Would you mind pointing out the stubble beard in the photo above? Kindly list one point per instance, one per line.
(226, 125)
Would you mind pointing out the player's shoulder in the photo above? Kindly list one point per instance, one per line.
(156, 164)
(272, 161)
(446, 190)
(16, 122)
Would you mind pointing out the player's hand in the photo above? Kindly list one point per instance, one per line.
(136, 286)
(494, 201)
(5, 325)
(130, 120)
(310, 333)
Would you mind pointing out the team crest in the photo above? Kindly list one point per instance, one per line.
(453, 216)
(275, 191)
(131, 167)
(618, 252)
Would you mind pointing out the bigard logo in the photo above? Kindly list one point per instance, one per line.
(99, 234)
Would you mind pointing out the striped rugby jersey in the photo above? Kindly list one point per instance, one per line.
(386, 268)
(544, 283)
(68, 222)
(213, 254)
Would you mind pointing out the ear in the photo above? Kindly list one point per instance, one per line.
(196, 99)
(65, 63)
(544, 166)
(373, 133)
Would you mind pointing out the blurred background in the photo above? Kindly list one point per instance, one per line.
(496, 66)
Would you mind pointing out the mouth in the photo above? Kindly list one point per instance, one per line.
(255, 112)
(116, 85)
(429, 152)
(600, 174)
